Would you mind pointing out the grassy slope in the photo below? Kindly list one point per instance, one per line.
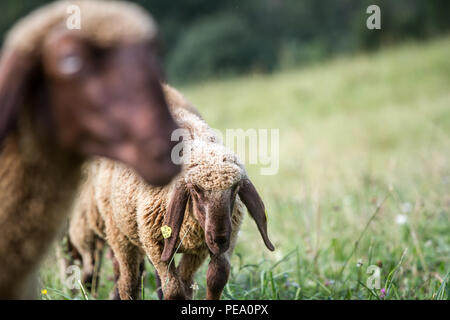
(353, 132)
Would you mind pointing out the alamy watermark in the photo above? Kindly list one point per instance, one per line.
(374, 280)
(74, 19)
(374, 20)
(73, 277)
(252, 146)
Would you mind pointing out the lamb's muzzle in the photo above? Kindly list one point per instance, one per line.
(216, 208)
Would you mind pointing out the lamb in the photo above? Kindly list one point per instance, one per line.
(198, 214)
(66, 95)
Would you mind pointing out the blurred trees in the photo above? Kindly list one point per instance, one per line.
(204, 38)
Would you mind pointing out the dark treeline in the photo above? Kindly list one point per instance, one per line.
(206, 38)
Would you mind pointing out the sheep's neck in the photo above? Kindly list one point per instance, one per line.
(35, 189)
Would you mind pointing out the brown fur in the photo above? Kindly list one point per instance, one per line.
(51, 121)
(34, 194)
(133, 214)
(132, 227)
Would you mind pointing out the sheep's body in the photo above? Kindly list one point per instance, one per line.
(129, 214)
(37, 179)
(137, 210)
(35, 191)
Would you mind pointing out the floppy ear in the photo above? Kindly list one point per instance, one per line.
(255, 206)
(173, 220)
(15, 69)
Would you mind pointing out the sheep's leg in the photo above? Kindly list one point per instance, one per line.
(189, 264)
(158, 286)
(83, 245)
(91, 257)
(66, 254)
(129, 284)
(171, 285)
(217, 276)
(98, 259)
(84, 242)
(129, 258)
(116, 270)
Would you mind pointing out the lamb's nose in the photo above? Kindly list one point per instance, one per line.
(218, 243)
(221, 240)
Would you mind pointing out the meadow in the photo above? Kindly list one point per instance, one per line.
(363, 181)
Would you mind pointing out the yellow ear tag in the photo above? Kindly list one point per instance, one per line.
(166, 231)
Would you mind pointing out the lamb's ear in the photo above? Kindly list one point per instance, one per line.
(173, 220)
(255, 206)
(15, 69)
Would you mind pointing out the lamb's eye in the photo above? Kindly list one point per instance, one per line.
(70, 64)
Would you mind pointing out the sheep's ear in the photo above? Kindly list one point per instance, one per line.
(255, 206)
(15, 69)
(173, 220)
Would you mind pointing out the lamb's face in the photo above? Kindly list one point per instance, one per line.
(213, 210)
(108, 102)
(212, 180)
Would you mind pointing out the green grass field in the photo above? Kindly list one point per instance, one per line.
(364, 179)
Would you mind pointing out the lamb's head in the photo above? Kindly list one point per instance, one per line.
(212, 179)
(91, 91)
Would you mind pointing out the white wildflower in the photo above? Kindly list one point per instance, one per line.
(401, 219)
(359, 263)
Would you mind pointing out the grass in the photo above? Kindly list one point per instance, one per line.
(364, 179)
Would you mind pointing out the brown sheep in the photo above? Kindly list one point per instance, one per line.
(66, 95)
(200, 212)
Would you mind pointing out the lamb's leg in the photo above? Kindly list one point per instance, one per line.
(116, 270)
(217, 276)
(98, 258)
(129, 258)
(83, 244)
(67, 255)
(189, 264)
(158, 286)
(171, 285)
(83, 241)
(90, 250)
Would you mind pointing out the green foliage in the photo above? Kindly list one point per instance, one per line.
(218, 45)
(205, 39)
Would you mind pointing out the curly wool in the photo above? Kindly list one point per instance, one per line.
(207, 163)
(104, 22)
(211, 166)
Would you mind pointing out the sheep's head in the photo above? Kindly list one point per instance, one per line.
(212, 181)
(93, 91)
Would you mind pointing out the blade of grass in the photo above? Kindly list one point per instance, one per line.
(355, 247)
(441, 291)
(370, 290)
(83, 291)
(393, 272)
